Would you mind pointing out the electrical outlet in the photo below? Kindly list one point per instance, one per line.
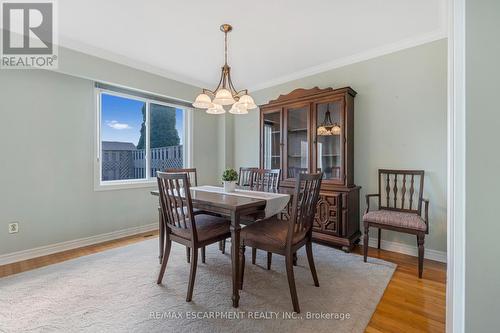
(13, 227)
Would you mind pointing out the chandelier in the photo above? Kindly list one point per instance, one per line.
(328, 127)
(225, 94)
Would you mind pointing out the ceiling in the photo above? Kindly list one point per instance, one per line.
(272, 41)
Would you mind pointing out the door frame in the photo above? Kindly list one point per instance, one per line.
(455, 286)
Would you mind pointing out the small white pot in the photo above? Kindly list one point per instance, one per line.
(229, 186)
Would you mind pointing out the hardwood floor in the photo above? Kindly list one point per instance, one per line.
(409, 304)
(55, 258)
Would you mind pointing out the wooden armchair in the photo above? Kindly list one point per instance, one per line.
(397, 209)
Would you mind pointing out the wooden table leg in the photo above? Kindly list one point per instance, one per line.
(235, 258)
(162, 234)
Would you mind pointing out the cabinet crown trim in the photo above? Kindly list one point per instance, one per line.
(308, 93)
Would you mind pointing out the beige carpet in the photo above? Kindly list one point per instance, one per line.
(115, 291)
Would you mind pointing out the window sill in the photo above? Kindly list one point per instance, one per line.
(125, 185)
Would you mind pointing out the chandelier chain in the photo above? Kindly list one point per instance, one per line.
(225, 48)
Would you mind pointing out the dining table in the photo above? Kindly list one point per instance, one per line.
(233, 205)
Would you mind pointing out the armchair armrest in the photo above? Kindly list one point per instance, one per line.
(426, 213)
(367, 197)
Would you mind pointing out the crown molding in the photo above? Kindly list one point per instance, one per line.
(337, 63)
(71, 44)
(440, 33)
(355, 58)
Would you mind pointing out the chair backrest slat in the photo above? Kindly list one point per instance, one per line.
(175, 202)
(387, 189)
(397, 193)
(403, 192)
(265, 180)
(191, 172)
(245, 176)
(395, 189)
(305, 199)
(293, 172)
(412, 190)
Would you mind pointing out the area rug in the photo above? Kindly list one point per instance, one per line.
(116, 291)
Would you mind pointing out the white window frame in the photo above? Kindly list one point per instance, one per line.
(150, 180)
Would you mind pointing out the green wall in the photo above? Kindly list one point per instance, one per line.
(47, 131)
(400, 122)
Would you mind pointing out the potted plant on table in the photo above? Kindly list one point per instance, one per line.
(229, 178)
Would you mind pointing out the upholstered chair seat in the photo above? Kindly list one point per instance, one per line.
(272, 232)
(396, 219)
(207, 227)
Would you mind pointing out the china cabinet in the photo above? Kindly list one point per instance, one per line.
(312, 130)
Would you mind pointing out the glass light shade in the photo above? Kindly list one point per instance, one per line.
(224, 97)
(247, 102)
(216, 109)
(336, 129)
(202, 101)
(322, 130)
(238, 108)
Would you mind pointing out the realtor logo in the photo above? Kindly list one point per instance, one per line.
(28, 34)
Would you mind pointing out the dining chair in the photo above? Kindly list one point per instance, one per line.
(266, 180)
(191, 172)
(286, 237)
(245, 176)
(182, 225)
(397, 209)
(193, 181)
(293, 172)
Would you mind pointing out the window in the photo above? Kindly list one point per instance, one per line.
(138, 135)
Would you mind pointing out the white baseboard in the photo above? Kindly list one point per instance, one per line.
(81, 242)
(73, 244)
(407, 249)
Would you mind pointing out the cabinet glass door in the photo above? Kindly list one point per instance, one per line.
(271, 140)
(329, 143)
(297, 141)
